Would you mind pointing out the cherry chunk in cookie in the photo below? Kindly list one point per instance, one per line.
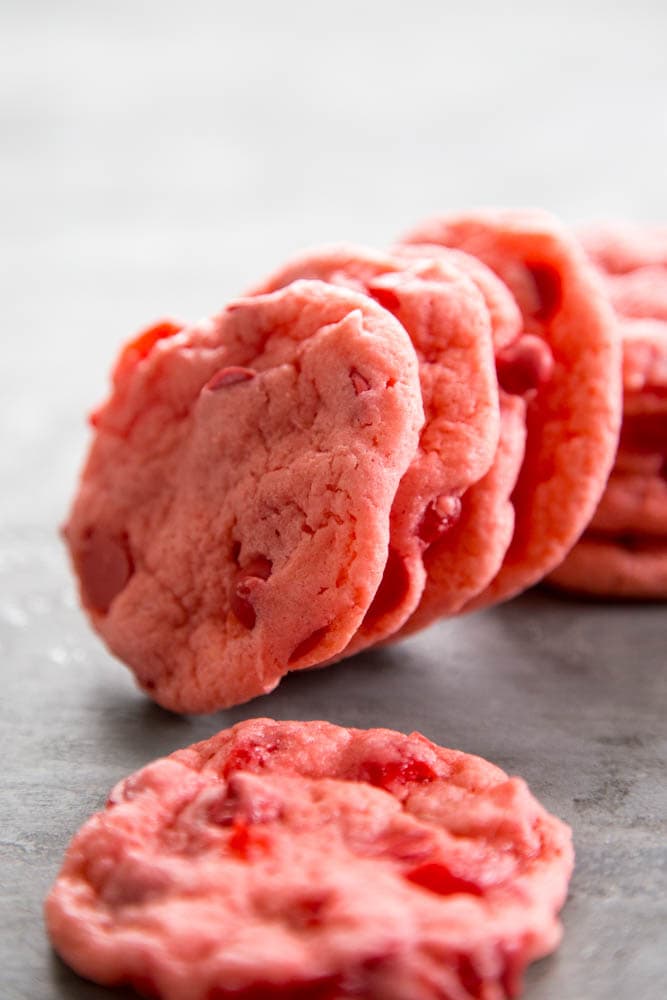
(232, 520)
(293, 860)
(564, 370)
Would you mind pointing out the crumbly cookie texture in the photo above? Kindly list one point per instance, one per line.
(293, 860)
(232, 521)
(451, 306)
(566, 369)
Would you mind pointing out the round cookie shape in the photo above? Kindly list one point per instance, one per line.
(293, 860)
(232, 521)
(623, 552)
(448, 320)
(573, 411)
(506, 320)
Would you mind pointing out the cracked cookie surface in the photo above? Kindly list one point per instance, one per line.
(450, 321)
(301, 859)
(232, 521)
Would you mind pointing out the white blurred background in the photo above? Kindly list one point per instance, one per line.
(157, 157)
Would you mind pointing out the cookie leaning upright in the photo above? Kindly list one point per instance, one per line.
(624, 551)
(565, 367)
(449, 322)
(232, 521)
(301, 859)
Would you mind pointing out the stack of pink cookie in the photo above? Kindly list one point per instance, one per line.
(624, 550)
(364, 443)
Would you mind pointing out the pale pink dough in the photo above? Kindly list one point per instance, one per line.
(232, 521)
(300, 860)
(449, 322)
(573, 410)
(506, 320)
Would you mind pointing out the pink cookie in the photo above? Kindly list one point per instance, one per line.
(449, 322)
(565, 368)
(627, 566)
(291, 860)
(624, 551)
(618, 248)
(232, 521)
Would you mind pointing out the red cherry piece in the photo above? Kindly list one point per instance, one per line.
(392, 590)
(249, 756)
(227, 377)
(360, 383)
(548, 289)
(384, 773)
(105, 565)
(139, 348)
(439, 517)
(524, 366)
(437, 877)
(247, 841)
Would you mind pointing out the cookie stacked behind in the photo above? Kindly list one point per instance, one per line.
(562, 376)
(449, 315)
(624, 550)
(364, 443)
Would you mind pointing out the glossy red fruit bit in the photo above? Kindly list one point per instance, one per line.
(524, 366)
(227, 377)
(248, 841)
(439, 517)
(141, 346)
(384, 773)
(438, 878)
(105, 565)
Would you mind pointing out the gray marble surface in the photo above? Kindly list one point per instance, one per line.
(156, 158)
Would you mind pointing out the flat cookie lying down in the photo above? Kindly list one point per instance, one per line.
(623, 552)
(304, 860)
